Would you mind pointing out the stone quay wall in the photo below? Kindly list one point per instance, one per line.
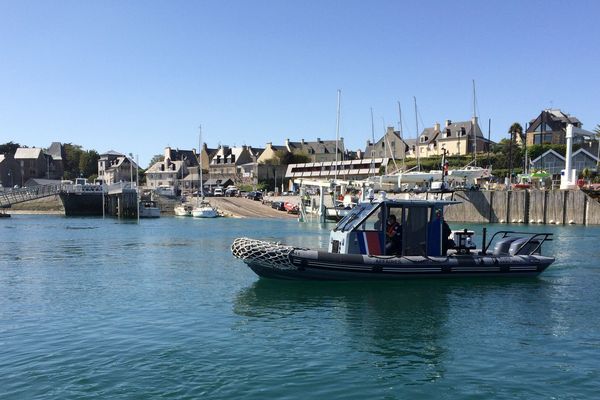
(523, 206)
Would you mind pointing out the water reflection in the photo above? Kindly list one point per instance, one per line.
(396, 324)
(405, 328)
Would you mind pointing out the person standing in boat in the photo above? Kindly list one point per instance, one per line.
(393, 236)
(447, 243)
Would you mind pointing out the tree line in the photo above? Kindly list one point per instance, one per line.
(77, 161)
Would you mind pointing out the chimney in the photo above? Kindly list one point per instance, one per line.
(474, 120)
(448, 123)
(319, 139)
(436, 127)
(167, 153)
(302, 141)
(368, 142)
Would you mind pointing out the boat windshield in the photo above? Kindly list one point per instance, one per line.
(358, 214)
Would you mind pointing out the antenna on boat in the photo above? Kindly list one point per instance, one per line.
(417, 135)
(473, 127)
(337, 132)
(372, 143)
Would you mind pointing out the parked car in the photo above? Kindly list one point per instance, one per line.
(291, 208)
(250, 195)
(278, 205)
(258, 196)
(218, 192)
(231, 191)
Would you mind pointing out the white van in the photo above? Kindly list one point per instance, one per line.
(218, 192)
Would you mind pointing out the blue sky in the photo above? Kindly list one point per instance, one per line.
(136, 76)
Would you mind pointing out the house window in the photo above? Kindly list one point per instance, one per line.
(540, 138)
(447, 133)
(543, 128)
(463, 131)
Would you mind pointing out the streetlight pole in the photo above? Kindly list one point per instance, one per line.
(510, 159)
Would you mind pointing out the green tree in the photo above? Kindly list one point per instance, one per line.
(156, 158)
(71, 161)
(9, 148)
(88, 163)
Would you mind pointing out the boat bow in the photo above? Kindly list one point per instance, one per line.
(265, 254)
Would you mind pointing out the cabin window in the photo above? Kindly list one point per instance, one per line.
(373, 223)
(414, 231)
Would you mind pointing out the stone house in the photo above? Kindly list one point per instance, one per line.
(319, 150)
(10, 171)
(458, 138)
(171, 171)
(33, 163)
(115, 167)
(550, 127)
(391, 145)
(226, 161)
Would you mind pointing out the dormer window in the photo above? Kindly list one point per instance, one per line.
(463, 131)
(447, 133)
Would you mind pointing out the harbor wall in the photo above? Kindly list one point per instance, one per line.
(544, 207)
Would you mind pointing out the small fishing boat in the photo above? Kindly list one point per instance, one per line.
(359, 248)
(149, 209)
(183, 210)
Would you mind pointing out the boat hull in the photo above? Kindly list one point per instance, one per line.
(271, 260)
(82, 203)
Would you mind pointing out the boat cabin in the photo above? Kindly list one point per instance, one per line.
(393, 227)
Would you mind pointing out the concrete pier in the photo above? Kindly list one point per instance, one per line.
(544, 207)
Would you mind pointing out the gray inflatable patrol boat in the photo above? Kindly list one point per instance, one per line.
(360, 248)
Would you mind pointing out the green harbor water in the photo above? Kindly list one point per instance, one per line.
(105, 309)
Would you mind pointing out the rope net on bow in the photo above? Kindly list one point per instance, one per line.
(266, 254)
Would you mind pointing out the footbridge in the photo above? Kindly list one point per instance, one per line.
(15, 196)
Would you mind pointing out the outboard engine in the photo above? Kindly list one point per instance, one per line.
(518, 247)
(503, 246)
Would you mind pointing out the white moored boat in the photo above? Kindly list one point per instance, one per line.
(470, 172)
(420, 177)
(204, 210)
(183, 210)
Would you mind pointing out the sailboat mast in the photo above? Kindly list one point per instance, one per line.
(337, 131)
(417, 135)
(473, 127)
(201, 188)
(400, 119)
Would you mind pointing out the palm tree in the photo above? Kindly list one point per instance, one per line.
(514, 129)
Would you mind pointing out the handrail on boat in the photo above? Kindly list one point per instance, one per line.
(545, 237)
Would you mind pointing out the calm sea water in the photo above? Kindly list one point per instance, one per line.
(93, 308)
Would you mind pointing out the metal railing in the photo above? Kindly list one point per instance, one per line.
(15, 196)
(536, 238)
(21, 195)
